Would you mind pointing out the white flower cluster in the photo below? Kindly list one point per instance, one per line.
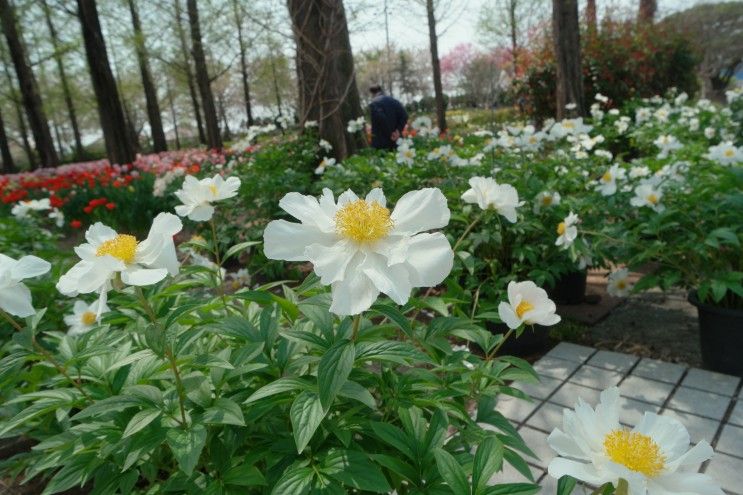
(356, 125)
(22, 209)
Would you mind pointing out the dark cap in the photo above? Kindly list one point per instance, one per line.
(375, 88)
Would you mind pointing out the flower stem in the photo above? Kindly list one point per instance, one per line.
(493, 353)
(355, 327)
(168, 354)
(47, 355)
(218, 260)
(467, 231)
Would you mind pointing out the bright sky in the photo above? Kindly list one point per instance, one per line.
(408, 26)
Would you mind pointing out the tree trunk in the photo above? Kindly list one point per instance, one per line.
(226, 134)
(434, 46)
(8, 163)
(213, 138)
(646, 11)
(173, 114)
(325, 71)
(150, 92)
(119, 146)
(243, 63)
(276, 90)
(514, 36)
(71, 112)
(566, 36)
(185, 53)
(29, 88)
(591, 18)
(58, 137)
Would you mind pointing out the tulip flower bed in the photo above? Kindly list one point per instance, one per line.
(270, 321)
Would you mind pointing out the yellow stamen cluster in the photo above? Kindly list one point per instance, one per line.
(123, 247)
(729, 153)
(652, 198)
(635, 451)
(213, 189)
(546, 200)
(622, 284)
(361, 221)
(88, 318)
(523, 307)
(606, 177)
(561, 228)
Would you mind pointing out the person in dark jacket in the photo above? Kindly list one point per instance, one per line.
(388, 119)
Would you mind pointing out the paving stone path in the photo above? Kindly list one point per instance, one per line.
(708, 404)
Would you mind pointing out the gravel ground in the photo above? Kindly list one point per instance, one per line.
(652, 324)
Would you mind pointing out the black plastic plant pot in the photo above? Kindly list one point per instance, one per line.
(720, 336)
(569, 288)
(532, 340)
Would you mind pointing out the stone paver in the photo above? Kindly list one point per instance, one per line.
(554, 367)
(658, 370)
(571, 352)
(590, 376)
(614, 361)
(727, 471)
(731, 441)
(711, 382)
(646, 390)
(703, 401)
(699, 402)
(736, 417)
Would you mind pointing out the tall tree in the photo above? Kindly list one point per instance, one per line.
(173, 114)
(8, 162)
(566, 37)
(243, 61)
(591, 17)
(64, 81)
(325, 71)
(150, 92)
(29, 88)
(433, 41)
(213, 137)
(16, 100)
(119, 146)
(186, 55)
(646, 11)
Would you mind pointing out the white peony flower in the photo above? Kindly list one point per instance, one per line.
(360, 248)
(325, 145)
(84, 316)
(15, 298)
(709, 132)
(22, 208)
(197, 196)
(527, 305)
(619, 284)
(726, 153)
(607, 183)
(355, 125)
(596, 449)
(567, 231)
(325, 163)
(489, 195)
(308, 124)
(667, 143)
(639, 171)
(405, 154)
(108, 254)
(648, 195)
(546, 199)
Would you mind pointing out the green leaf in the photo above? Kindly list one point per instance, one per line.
(395, 437)
(354, 469)
(488, 460)
(140, 420)
(237, 248)
(333, 370)
(306, 414)
(187, 445)
(74, 473)
(513, 489)
(243, 475)
(353, 390)
(395, 316)
(279, 386)
(452, 472)
(565, 485)
(396, 352)
(295, 481)
(266, 298)
(467, 260)
(225, 412)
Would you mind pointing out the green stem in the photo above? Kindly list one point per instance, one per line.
(219, 262)
(492, 354)
(622, 487)
(467, 231)
(168, 354)
(355, 327)
(47, 355)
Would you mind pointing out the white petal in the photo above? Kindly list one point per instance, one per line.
(98, 233)
(418, 211)
(307, 210)
(377, 195)
(28, 267)
(393, 281)
(564, 445)
(684, 484)
(16, 300)
(288, 241)
(354, 294)
(347, 196)
(430, 259)
(143, 276)
(166, 224)
(560, 467)
(330, 263)
(668, 433)
(201, 213)
(508, 315)
(695, 455)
